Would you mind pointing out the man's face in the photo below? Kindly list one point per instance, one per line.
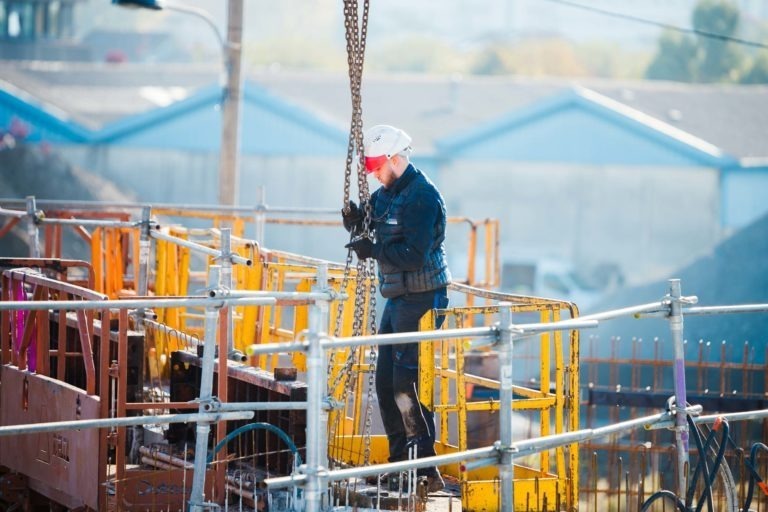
(385, 174)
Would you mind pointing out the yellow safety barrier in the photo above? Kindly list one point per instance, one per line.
(552, 404)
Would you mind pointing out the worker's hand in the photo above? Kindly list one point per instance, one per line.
(362, 246)
(352, 217)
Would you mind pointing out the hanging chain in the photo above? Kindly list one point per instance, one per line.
(356, 33)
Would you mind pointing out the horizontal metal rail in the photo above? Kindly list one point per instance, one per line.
(721, 310)
(488, 455)
(236, 258)
(55, 426)
(253, 406)
(391, 467)
(91, 222)
(13, 213)
(61, 203)
(729, 416)
(136, 303)
(486, 334)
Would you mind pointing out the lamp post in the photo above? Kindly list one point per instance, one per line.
(231, 98)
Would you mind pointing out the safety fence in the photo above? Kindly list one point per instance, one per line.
(314, 475)
(298, 307)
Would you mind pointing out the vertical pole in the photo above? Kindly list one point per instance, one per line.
(143, 263)
(142, 283)
(230, 110)
(32, 229)
(226, 281)
(317, 414)
(506, 395)
(681, 425)
(197, 495)
(260, 219)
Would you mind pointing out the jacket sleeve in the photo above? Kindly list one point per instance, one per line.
(419, 218)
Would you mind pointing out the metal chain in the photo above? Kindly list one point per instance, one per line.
(356, 34)
(372, 356)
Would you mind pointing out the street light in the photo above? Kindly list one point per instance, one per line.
(231, 94)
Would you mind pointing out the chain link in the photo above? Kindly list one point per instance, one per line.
(356, 31)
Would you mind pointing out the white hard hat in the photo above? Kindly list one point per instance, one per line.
(381, 142)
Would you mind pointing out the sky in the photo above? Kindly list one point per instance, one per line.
(457, 22)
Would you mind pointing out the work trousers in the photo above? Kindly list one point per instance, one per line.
(407, 422)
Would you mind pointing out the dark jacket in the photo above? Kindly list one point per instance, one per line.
(409, 223)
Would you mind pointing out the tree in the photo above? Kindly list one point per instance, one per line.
(720, 59)
(701, 58)
(758, 73)
(675, 59)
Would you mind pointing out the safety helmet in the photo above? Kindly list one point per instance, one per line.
(381, 142)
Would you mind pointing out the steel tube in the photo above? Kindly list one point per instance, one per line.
(678, 371)
(577, 323)
(235, 258)
(154, 454)
(56, 426)
(490, 452)
(90, 222)
(321, 326)
(316, 393)
(395, 338)
(308, 260)
(63, 203)
(12, 213)
(331, 343)
(288, 296)
(731, 416)
(227, 281)
(33, 232)
(488, 333)
(256, 406)
(720, 310)
(539, 444)
(72, 305)
(628, 311)
(260, 215)
(196, 496)
(505, 350)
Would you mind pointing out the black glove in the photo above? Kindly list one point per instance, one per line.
(362, 246)
(353, 218)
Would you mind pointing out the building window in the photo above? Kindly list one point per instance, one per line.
(21, 20)
(3, 21)
(53, 28)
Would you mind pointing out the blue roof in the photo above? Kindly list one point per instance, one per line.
(269, 126)
(43, 122)
(581, 126)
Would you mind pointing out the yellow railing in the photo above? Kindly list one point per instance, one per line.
(552, 403)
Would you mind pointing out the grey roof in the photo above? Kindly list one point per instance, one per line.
(731, 117)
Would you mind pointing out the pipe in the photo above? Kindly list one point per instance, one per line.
(254, 426)
(316, 379)
(390, 467)
(254, 406)
(33, 231)
(719, 310)
(174, 462)
(57, 426)
(196, 495)
(678, 371)
(506, 396)
(63, 203)
(331, 343)
(72, 305)
(234, 258)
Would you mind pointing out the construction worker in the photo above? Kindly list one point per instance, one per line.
(408, 229)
